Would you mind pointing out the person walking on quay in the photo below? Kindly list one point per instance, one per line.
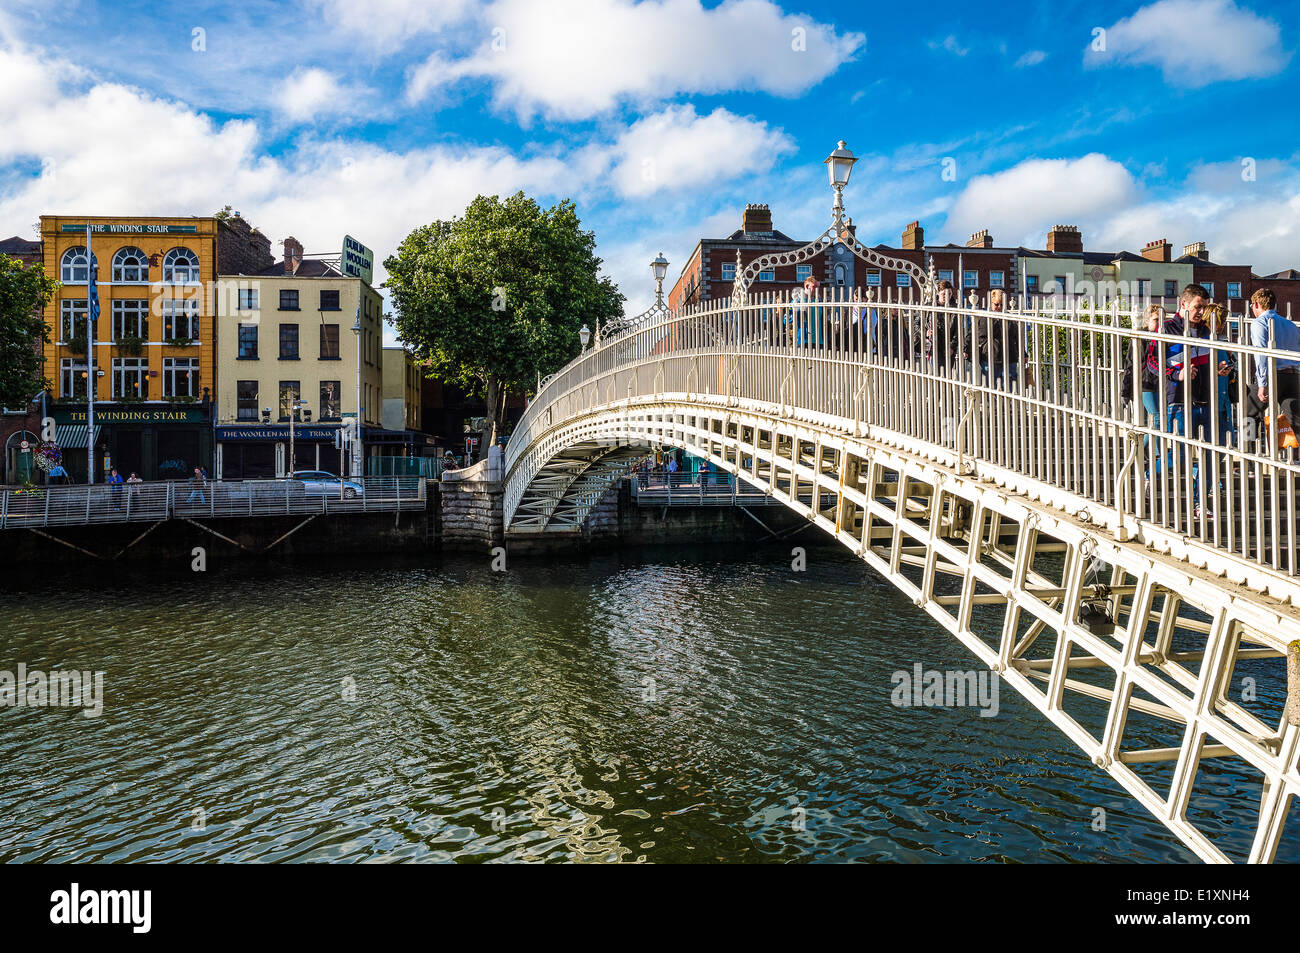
(1270, 329)
(115, 487)
(196, 487)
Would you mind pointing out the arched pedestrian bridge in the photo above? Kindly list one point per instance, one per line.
(1143, 603)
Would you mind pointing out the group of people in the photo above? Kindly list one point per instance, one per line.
(1189, 388)
(938, 339)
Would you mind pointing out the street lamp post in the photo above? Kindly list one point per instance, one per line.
(356, 437)
(295, 404)
(660, 269)
(839, 166)
(584, 335)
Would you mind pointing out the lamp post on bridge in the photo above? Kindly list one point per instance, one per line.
(839, 167)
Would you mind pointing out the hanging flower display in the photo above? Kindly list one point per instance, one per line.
(48, 456)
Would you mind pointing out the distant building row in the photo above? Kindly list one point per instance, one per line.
(1063, 267)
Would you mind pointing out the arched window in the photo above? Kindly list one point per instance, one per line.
(840, 274)
(180, 266)
(73, 270)
(130, 264)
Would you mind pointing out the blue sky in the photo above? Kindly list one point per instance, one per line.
(662, 118)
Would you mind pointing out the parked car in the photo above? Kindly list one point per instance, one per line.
(322, 483)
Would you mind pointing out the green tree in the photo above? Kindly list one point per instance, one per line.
(24, 293)
(497, 296)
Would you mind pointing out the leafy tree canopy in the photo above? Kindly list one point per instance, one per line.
(24, 293)
(497, 296)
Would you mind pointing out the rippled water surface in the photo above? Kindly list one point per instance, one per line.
(671, 706)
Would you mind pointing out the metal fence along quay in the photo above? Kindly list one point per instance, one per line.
(1123, 560)
(125, 503)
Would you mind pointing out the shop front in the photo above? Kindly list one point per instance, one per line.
(261, 451)
(157, 441)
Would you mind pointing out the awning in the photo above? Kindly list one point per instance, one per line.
(73, 436)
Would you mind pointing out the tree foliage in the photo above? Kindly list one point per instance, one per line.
(493, 298)
(24, 293)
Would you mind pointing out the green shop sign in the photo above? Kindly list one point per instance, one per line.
(134, 415)
(135, 229)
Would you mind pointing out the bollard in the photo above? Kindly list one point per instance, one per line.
(1293, 683)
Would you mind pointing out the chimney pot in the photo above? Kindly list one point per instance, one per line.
(980, 239)
(1157, 250)
(1064, 238)
(292, 255)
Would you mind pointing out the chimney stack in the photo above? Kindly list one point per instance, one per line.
(1065, 238)
(980, 239)
(914, 237)
(1157, 250)
(1197, 250)
(292, 255)
(757, 218)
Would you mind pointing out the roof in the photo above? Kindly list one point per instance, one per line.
(308, 268)
(740, 235)
(1286, 274)
(19, 246)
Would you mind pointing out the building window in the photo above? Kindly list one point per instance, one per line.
(180, 377)
(802, 272)
(329, 300)
(728, 272)
(130, 378)
(872, 276)
(767, 275)
(1143, 288)
(329, 342)
(73, 269)
(72, 318)
(1061, 284)
(997, 279)
(288, 342)
(180, 266)
(1171, 289)
(130, 318)
(247, 299)
(1234, 289)
(72, 378)
(1031, 284)
(1209, 286)
(130, 264)
(289, 391)
(903, 280)
(180, 319)
(248, 342)
(945, 274)
(970, 279)
(330, 392)
(288, 299)
(246, 400)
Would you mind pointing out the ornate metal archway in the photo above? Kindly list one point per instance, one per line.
(840, 232)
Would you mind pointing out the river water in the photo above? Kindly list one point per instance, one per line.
(666, 706)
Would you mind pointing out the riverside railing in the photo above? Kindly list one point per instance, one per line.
(1038, 390)
(139, 502)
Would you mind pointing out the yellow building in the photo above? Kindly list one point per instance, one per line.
(402, 383)
(152, 346)
(286, 335)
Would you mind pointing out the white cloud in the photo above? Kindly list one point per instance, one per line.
(1194, 42)
(389, 23)
(1031, 58)
(312, 92)
(675, 149)
(1020, 203)
(950, 44)
(573, 59)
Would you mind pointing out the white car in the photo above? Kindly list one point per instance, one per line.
(322, 483)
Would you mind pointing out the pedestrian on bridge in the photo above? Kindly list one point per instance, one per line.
(997, 343)
(1270, 329)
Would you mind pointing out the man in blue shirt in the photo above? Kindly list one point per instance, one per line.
(1270, 329)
